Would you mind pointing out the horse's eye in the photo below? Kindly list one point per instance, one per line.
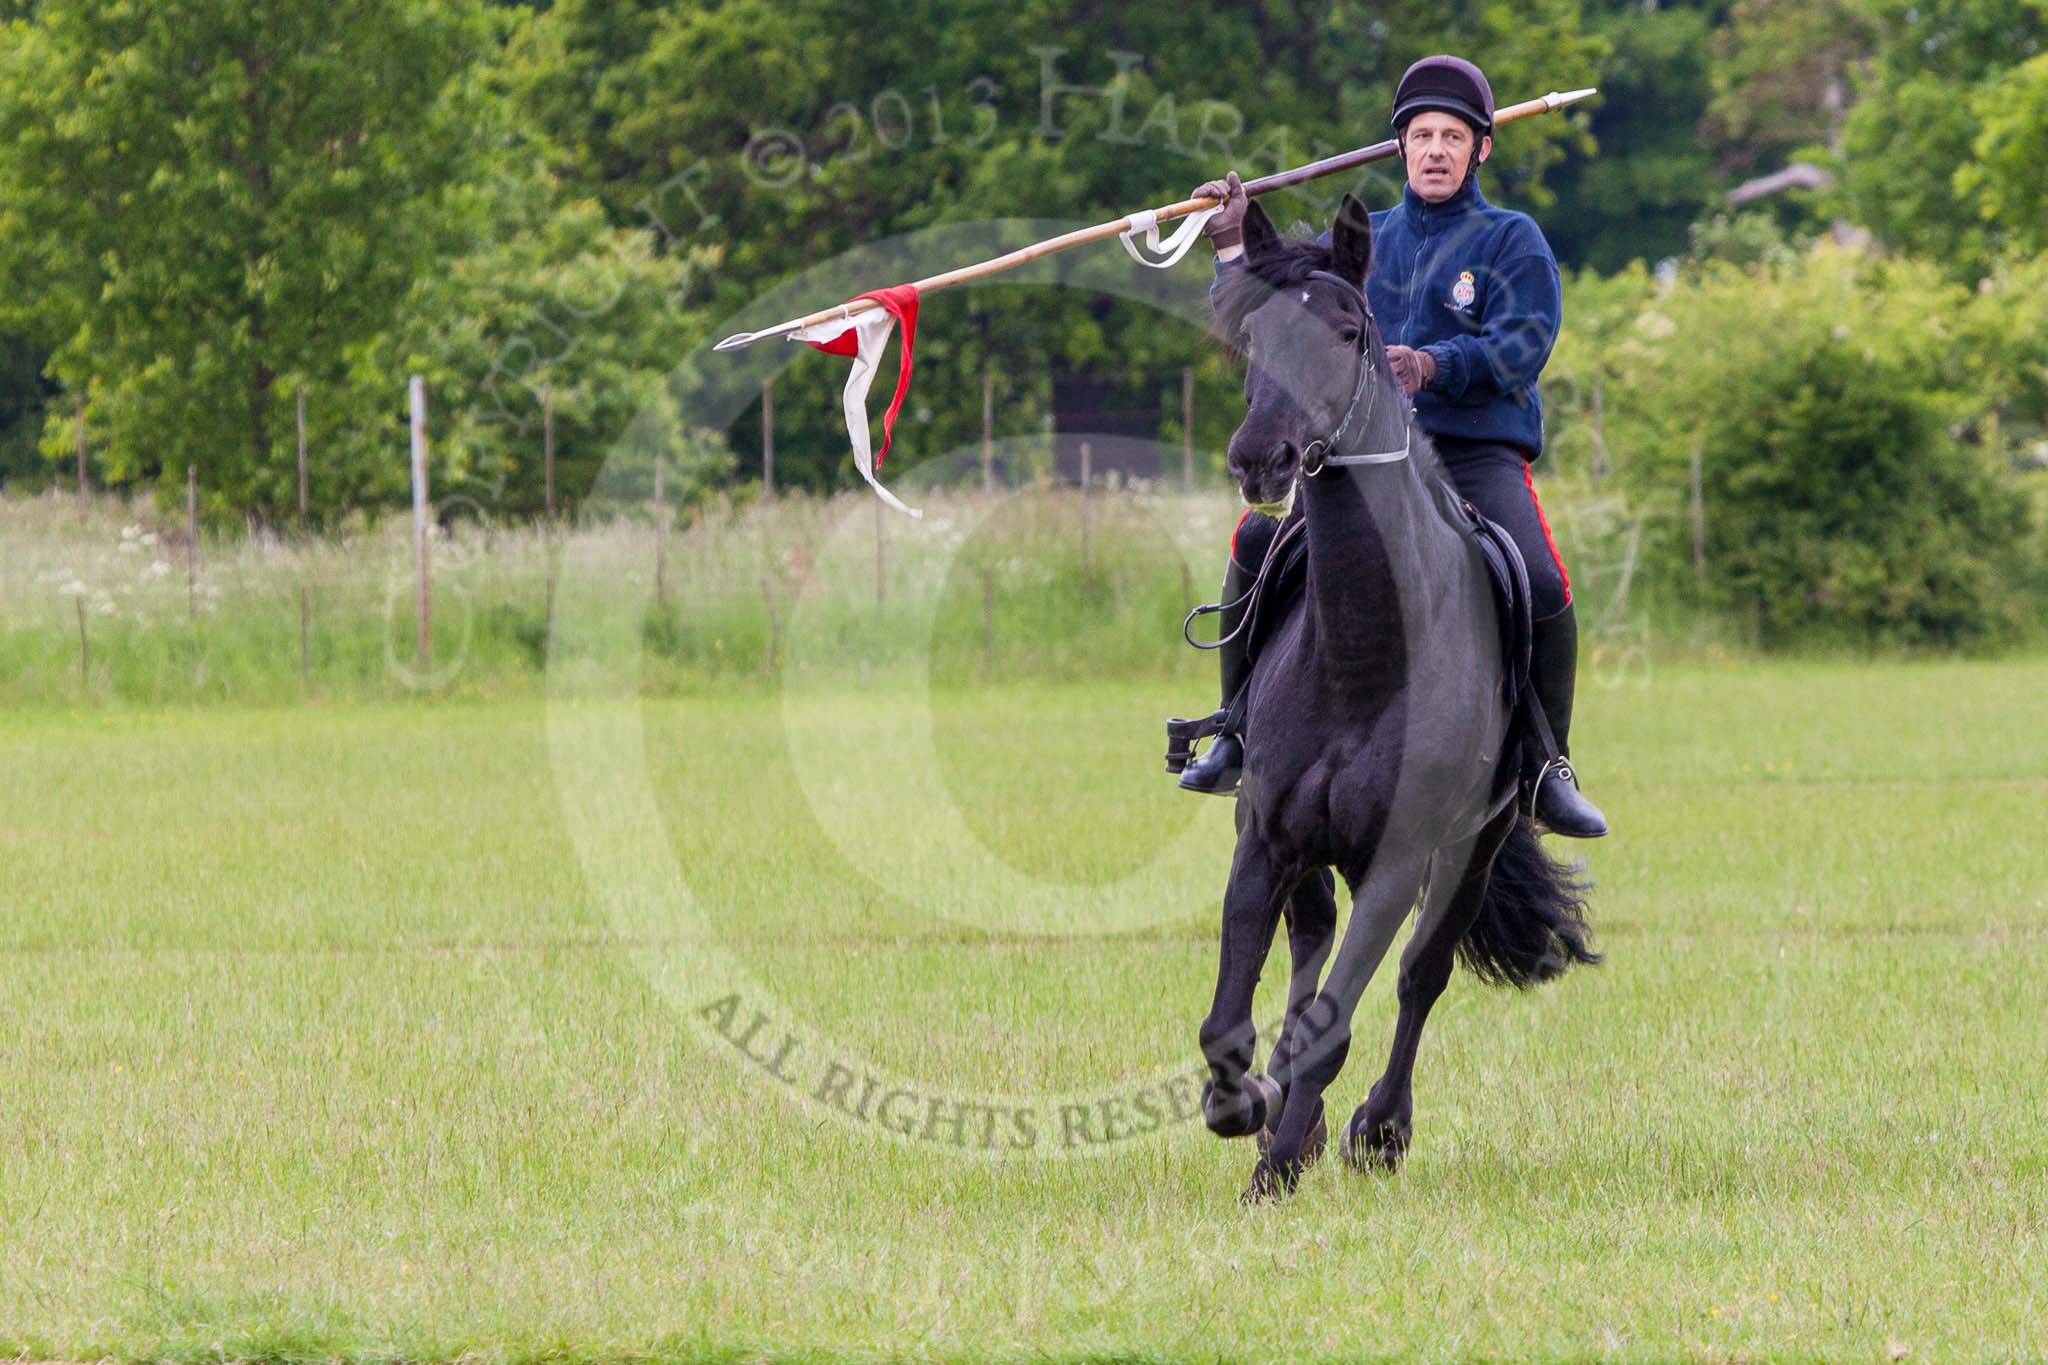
(1348, 335)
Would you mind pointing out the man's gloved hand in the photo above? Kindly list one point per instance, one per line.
(1412, 369)
(1226, 229)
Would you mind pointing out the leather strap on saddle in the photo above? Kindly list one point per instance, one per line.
(1514, 603)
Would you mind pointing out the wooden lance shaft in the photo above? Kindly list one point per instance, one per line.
(1066, 241)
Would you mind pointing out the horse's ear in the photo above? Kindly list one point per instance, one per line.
(1260, 236)
(1351, 242)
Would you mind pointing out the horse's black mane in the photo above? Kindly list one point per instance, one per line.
(1242, 290)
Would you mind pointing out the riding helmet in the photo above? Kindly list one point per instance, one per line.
(1449, 85)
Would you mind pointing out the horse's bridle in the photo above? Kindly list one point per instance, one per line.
(1321, 447)
(1324, 450)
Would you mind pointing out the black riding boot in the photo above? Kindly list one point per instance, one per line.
(1548, 779)
(1216, 772)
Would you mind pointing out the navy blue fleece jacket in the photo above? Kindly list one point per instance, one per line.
(1476, 287)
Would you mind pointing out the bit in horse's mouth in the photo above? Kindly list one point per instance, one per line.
(1276, 510)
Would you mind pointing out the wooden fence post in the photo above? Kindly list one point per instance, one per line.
(548, 548)
(1617, 610)
(660, 536)
(1699, 520)
(547, 445)
(881, 584)
(547, 462)
(304, 503)
(774, 627)
(1187, 429)
(1597, 430)
(988, 616)
(767, 438)
(1087, 550)
(191, 542)
(423, 598)
(988, 433)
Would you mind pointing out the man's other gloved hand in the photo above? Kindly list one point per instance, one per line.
(1226, 230)
(1412, 369)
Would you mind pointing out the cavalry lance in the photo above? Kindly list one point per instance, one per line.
(1146, 222)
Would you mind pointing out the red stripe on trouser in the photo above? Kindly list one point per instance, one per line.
(1529, 479)
(1235, 529)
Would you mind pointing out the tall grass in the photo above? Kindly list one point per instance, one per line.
(1037, 582)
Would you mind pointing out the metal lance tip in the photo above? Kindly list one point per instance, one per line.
(741, 340)
(1557, 101)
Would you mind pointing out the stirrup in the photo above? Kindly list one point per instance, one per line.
(1556, 768)
(1182, 734)
(1553, 769)
(1559, 768)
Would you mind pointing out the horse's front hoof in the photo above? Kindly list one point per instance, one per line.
(1256, 1104)
(1373, 1143)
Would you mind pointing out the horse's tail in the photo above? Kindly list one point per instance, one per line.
(1531, 925)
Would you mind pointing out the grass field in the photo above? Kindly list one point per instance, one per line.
(408, 1031)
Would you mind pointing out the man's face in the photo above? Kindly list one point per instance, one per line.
(1439, 149)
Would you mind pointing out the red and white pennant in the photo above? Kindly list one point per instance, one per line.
(864, 338)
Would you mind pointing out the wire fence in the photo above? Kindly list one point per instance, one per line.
(117, 600)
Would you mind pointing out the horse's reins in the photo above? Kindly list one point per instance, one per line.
(1274, 549)
(1326, 448)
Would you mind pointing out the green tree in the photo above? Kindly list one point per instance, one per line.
(1843, 508)
(562, 307)
(24, 393)
(1781, 75)
(211, 203)
(1851, 421)
(767, 130)
(1652, 174)
(2004, 180)
(1953, 81)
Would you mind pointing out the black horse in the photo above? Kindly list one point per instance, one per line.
(1380, 732)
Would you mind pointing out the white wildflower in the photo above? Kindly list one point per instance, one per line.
(1655, 325)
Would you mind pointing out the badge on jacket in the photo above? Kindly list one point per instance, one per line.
(1462, 293)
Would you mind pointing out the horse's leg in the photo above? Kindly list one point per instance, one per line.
(1251, 909)
(1322, 1036)
(1311, 931)
(1378, 1131)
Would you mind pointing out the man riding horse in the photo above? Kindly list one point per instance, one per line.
(1467, 296)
